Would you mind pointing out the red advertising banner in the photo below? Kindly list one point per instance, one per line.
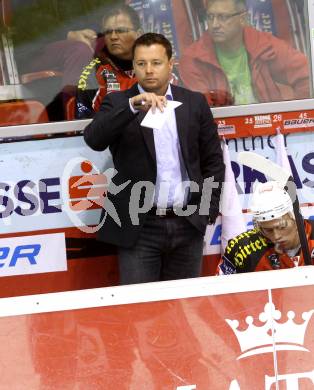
(249, 331)
(266, 124)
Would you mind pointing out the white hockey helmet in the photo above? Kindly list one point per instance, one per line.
(270, 201)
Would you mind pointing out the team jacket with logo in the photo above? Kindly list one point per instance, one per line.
(99, 77)
(251, 251)
(111, 78)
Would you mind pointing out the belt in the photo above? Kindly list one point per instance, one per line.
(168, 212)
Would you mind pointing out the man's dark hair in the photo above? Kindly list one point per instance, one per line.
(123, 9)
(150, 39)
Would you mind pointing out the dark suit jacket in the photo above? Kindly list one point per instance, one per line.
(132, 147)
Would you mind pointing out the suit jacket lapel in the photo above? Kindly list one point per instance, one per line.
(182, 119)
(146, 131)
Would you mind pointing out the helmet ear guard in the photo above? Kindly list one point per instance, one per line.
(270, 201)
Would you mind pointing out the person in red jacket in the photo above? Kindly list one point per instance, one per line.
(274, 242)
(233, 63)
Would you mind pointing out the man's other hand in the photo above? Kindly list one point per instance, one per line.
(86, 36)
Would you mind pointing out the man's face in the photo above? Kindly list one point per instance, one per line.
(282, 232)
(225, 21)
(119, 36)
(152, 68)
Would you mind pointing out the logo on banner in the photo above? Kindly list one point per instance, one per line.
(262, 121)
(298, 122)
(79, 192)
(226, 129)
(45, 197)
(87, 191)
(289, 336)
(32, 254)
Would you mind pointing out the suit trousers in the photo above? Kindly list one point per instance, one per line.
(167, 248)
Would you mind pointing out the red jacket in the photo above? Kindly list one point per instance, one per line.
(272, 61)
(251, 251)
(99, 77)
(111, 78)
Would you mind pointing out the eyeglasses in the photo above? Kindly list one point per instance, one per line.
(223, 18)
(118, 30)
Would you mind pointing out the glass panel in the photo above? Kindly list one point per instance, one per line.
(52, 68)
(170, 345)
(296, 320)
(42, 60)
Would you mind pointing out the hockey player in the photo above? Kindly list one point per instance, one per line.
(274, 242)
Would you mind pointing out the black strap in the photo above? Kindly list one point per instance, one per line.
(311, 222)
(292, 191)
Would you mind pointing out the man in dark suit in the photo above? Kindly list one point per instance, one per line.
(168, 180)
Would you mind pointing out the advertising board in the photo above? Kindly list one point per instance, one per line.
(249, 331)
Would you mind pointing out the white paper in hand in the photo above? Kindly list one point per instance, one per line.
(157, 120)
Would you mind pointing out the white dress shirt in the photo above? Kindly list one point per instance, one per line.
(172, 180)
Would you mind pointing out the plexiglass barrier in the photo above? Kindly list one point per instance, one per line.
(236, 53)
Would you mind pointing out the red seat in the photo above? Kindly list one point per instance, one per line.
(22, 112)
(6, 13)
(70, 109)
(43, 74)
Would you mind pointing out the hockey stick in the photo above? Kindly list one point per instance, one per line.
(284, 178)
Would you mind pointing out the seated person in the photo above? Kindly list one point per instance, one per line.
(111, 69)
(274, 242)
(233, 63)
(62, 38)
